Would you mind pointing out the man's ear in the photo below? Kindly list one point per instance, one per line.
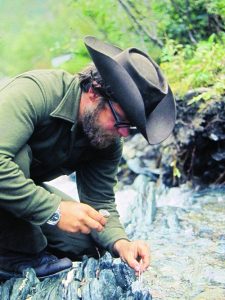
(93, 96)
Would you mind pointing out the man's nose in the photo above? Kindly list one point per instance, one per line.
(123, 131)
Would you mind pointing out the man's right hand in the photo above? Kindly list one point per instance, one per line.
(79, 217)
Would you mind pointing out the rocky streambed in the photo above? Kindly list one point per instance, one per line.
(184, 227)
(185, 230)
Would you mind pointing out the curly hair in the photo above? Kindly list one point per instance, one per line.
(90, 77)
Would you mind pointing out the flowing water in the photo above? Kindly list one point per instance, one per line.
(185, 230)
(186, 238)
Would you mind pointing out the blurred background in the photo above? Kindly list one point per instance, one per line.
(186, 37)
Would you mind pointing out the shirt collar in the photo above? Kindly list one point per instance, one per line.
(68, 108)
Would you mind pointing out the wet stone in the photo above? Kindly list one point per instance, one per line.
(92, 279)
(185, 230)
(186, 239)
(188, 256)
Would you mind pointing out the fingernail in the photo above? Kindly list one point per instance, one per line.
(137, 268)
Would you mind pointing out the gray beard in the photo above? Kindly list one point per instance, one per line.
(97, 136)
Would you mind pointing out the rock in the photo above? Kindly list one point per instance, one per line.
(195, 92)
(124, 201)
(123, 276)
(198, 146)
(211, 294)
(134, 145)
(136, 166)
(142, 209)
(91, 279)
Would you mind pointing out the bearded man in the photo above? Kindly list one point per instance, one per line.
(53, 123)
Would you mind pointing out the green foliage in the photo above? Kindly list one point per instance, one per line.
(189, 21)
(216, 7)
(192, 67)
(40, 31)
(114, 25)
(34, 32)
(176, 171)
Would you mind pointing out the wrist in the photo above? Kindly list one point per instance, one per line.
(119, 245)
(55, 218)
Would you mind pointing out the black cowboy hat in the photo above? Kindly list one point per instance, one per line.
(138, 86)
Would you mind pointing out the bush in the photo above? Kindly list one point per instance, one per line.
(189, 67)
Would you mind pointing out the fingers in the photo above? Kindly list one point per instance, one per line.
(137, 255)
(91, 219)
(144, 254)
(146, 262)
(80, 217)
(94, 214)
(133, 263)
(91, 223)
(84, 229)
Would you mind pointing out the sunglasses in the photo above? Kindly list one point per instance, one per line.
(118, 122)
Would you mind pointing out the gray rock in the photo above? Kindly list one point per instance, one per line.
(92, 279)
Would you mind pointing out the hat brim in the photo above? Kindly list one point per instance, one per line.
(128, 96)
(161, 121)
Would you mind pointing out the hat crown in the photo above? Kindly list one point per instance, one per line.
(144, 67)
(146, 75)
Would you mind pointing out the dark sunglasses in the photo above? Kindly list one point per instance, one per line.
(118, 122)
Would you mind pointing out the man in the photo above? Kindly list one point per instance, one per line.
(53, 123)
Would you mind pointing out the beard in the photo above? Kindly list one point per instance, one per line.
(98, 136)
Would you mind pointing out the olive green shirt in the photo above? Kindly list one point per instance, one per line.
(40, 108)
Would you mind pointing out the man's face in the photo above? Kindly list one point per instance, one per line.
(98, 124)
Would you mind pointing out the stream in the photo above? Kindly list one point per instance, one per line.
(186, 233)
(185, 230)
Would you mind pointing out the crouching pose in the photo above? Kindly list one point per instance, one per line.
(54, 123)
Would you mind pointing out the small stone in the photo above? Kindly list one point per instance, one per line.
(104, 212)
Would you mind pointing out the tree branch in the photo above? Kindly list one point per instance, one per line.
(139, 25)
(185, 12)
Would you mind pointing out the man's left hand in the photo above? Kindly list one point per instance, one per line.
(135, 253)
